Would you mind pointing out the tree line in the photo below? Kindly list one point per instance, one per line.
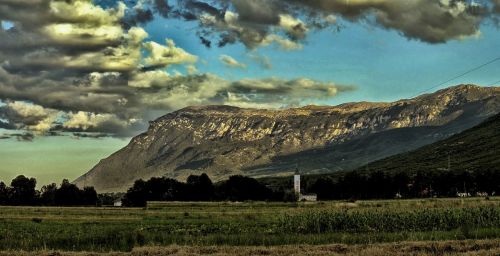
(201, 188)
(22, 191)
(382, 185)
(339, 186)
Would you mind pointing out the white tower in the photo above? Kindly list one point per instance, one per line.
(296, 184)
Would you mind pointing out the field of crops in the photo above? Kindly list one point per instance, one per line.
(247, 224)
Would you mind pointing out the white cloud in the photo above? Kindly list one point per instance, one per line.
(284, 43)
(294, 27)
(229, 61)
(31, 117)
(148, 79)
(191, 69)
(162, 56)
(84, 120)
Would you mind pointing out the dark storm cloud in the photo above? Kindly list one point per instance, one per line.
(250, 27)
(17, 10)
(251, 22)
(68, 94)
(196, 8)
(425, 20)
(258, 11)
(138, 16)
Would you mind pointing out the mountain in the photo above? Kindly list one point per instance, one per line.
(477, 148)
(225, 140)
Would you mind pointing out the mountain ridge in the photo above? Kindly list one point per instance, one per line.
(227, 140)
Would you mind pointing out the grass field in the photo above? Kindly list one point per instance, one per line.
(465, 248)
(204, 225)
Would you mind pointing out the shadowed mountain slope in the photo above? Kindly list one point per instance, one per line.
(224, 140)
(477, 148)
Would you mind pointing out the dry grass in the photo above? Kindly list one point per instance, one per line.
(466, 247)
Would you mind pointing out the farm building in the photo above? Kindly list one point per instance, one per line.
(118, 203)
(298, 192)
(308, 197)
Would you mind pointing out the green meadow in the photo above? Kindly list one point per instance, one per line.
(101, 229)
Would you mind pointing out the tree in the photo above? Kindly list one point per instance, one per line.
(323, 188)
(48, 194)
(289, 195)
(4, 194)
(89, 196)
(401, 181)
(199, 188)
(23, 191)
(136, 195)
(241, 188)
(379, 186)
(353, 185)
(68, 194)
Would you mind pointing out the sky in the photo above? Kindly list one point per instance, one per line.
(79, 78)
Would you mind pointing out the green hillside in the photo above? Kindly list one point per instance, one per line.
(477, 148)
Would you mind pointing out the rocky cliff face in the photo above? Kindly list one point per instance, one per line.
(224, 140)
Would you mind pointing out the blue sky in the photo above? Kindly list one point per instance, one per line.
(378, 59)
(384, 65)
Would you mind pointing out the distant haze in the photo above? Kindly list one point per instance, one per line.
(53, 159)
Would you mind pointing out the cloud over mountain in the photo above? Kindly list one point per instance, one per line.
(75, 66)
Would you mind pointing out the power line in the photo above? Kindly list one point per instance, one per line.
(497, 82)
(460, 75)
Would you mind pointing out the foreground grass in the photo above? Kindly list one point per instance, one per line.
(247, 224)
(466, 247)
